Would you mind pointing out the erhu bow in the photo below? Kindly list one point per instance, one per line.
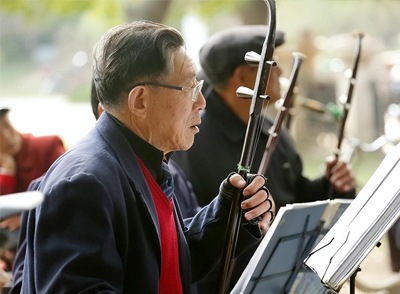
(347, 104)
(250, 142)
(283, 110)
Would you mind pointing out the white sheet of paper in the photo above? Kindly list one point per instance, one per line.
(363, 224)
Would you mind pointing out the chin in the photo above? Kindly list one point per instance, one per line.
(186, 145)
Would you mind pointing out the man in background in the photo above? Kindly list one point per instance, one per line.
(219, 145)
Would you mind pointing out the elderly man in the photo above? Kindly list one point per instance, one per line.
(219, 144)
(109, 222)
(182, 187)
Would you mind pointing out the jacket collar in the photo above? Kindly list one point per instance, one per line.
(126, 157)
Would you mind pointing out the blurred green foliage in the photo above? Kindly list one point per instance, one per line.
(34, 11)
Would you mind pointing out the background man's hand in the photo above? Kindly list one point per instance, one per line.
(340, 175)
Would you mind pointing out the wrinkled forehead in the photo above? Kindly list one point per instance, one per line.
(184, 65)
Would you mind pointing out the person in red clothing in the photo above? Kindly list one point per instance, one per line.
(32, 155)
(23, 158)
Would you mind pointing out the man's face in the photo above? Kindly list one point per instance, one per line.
(10, 139)
(173, 116)
(274, 87)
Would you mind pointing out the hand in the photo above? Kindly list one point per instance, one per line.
(256, 203)
(12, 223)
(340, 175)
(7, 164)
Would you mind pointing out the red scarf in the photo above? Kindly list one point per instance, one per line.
(170, 280)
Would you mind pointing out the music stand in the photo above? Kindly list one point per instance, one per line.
(278, 260)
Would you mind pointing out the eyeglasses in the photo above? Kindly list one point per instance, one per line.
(194, 90)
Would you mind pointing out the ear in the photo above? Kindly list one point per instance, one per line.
(100, 108)
(138, 101)
(245, 76)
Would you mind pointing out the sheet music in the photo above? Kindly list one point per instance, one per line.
(368, 218)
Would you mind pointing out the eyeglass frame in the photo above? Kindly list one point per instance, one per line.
(194, 89)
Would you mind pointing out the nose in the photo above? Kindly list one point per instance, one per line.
(200, 103)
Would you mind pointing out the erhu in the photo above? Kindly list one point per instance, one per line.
(250, 142)
(347, 104)
(283, 110)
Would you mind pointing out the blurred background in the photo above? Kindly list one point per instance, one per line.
(46, 55)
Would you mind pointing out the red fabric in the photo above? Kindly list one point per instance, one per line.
(36, 156)
(170, 280)
(7, 184)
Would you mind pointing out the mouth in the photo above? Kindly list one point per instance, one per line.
(195, 127)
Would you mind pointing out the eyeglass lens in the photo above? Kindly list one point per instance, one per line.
(196, 91)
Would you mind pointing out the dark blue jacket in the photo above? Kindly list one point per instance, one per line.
(97, 229)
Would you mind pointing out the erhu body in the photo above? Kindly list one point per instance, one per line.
(250, 142)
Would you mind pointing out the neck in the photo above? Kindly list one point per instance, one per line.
(240, 107)
(141, 129)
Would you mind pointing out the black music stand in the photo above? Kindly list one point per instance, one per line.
(275, 266)
(353, 281)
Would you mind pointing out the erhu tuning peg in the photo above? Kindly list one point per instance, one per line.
(244, 93)
(252, 58)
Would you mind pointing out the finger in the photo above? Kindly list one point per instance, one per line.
(261, 203)
(258, 210)
(12, 228)
(266, 221)
(343, 179)
(345, 184)
(343, 174)
(339, 175)
(255, 185)
(339, 166)
(330, 162)
(261, 196)
(237, 181)
(349, 186)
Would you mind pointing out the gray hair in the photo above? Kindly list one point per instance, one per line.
(130, 53)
